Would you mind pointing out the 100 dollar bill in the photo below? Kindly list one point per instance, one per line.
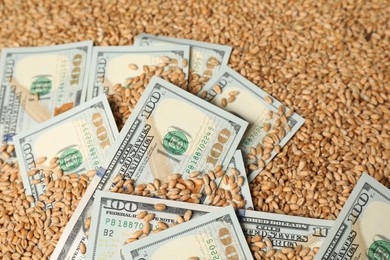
(115, 219)
(362, 229)
(171, 131)
(216, 235)
(110, 65)
(38, 83)
(186, 124)
(79, 139)
(248, 102)
(114, 216)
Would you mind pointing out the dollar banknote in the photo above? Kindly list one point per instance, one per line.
(216, 235)
(362, 229)
(115, 218)
(79, 139)
(38, 83)
(169, 131)
(205, 58)
(110, 65)
(284, 231)
(104, 242)
(236, 94)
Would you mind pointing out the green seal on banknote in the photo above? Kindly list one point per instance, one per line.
(41, 85)
(175, 142)
(379, 250)
(70, 160)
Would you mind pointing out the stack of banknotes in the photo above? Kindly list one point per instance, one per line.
(173, 181)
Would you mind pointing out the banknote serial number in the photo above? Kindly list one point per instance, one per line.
(212, 249)
(90, 145)
(124, 223)
(199, 150)
(133, 225)
(255, 134)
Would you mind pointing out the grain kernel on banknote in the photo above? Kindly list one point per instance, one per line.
(149, 217)
(83, 248)
(194, 174)
(162, 225)
(146, 229)
(217, 89)
(224, 102)
(184, 63)
(160, 206)
(131, 239)
(133, 66)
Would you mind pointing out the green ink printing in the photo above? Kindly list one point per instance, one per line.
(175, 142)
(70, 160)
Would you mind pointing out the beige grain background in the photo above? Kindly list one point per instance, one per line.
(329, 60)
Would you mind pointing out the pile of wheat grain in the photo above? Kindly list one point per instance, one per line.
(329, 60)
